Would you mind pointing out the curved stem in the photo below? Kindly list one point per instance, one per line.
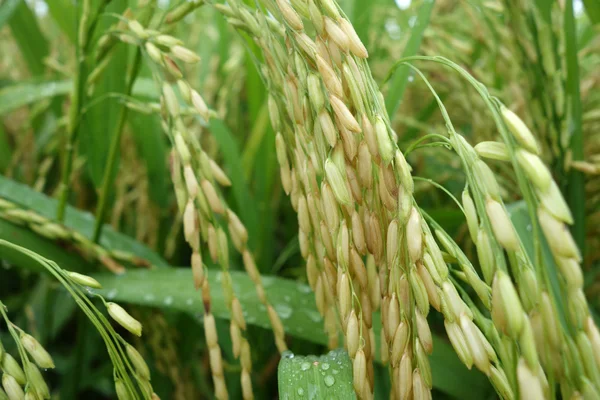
(421, 139)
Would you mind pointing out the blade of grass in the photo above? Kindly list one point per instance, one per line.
(361, 17)
(110, 171)
(24, 93)
(252, 145)
(398, 82)
(574, 190)
(32, 43)
(99, 122)
(63, 13)
(152, 148)
(265, 194)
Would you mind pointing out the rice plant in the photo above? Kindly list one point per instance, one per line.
(299, 199)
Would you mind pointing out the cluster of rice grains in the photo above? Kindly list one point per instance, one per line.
(551, 351)
(360, 234)
(23, 382)
(206, 215)
(368, 247)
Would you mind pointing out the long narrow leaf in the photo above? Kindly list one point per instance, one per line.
(65, 16)
(32, 43)
(575, 190)
(399, 80)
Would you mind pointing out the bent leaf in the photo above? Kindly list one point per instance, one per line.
(80, 221)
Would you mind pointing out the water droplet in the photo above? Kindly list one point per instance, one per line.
(304, 366)
(329, 380)
(148, 297)
(111, 294)
(335, 371)
(189, 302)
(325, 366)
(287, 354)
(168, 300)
(283, 310)
(287, 298)
(300, 392)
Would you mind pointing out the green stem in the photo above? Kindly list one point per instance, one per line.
(114, 150)
(86, 32)
(575, 190)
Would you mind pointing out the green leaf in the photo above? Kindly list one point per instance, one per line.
(80, 221)
(23, 93)
(153, 149)
(173, 289)
(100, 119)
(592, 8)
(65, 16)
(265, 174)
(574, 187)
(361, 12)
(326, 377)
(398, 81)
(32, 43)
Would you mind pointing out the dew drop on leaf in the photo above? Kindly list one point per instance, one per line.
(329, 380)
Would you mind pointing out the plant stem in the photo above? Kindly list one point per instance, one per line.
(114, 149)
(575, 190)
(86, 31)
